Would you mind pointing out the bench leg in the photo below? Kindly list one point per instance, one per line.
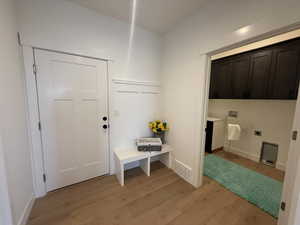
(119, 170)
(166, 159)
(145, 165)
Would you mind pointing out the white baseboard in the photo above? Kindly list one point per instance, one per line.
(280, 166)
(243, 154)
(256, 158)
(26, 213)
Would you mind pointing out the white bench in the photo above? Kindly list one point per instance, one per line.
(124, 156)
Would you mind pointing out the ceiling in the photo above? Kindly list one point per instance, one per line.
(154, 15)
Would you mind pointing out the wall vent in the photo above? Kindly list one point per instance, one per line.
(269, 153)
(183, 170)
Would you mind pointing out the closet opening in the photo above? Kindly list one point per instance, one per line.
(252, 100)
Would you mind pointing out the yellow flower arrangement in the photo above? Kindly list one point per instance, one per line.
(158, 126)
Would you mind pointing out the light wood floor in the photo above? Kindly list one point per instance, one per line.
(161, 199)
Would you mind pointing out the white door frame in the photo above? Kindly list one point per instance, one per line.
(291, 187)
(38, 167)
(5, 207)
(203, 110)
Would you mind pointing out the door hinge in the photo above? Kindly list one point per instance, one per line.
(19, 39)
(294, 135)
(34, 69)
(44, 178)
(282, 206)
(40, 126)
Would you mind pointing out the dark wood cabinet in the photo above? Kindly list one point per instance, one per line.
(285, 72)
(239, 77)
(259, 77)
(221, 84)
(269, 73)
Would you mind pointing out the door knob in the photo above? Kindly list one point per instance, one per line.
(105, 126)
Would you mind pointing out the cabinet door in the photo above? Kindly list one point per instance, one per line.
(285, 72)
(221, 80)
(259, 74)
(213, 86)
(239, 76)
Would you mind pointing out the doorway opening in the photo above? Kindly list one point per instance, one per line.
(251, 107)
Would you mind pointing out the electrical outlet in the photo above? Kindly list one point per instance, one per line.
(233, 113)
(257, 133)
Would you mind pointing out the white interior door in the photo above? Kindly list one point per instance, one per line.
(73, 101)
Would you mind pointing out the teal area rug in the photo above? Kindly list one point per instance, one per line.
(258, 189)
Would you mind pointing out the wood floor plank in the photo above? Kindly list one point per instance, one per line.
(205, 207)
(111, 203)
(68, 200)
(161, 199)
(141, 206)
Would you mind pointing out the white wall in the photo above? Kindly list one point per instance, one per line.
(273, 117)
(66, 26)
(13, 115)
(137, 103)
(183, 73)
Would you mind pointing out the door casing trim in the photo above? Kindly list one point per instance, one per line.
(33, 118)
